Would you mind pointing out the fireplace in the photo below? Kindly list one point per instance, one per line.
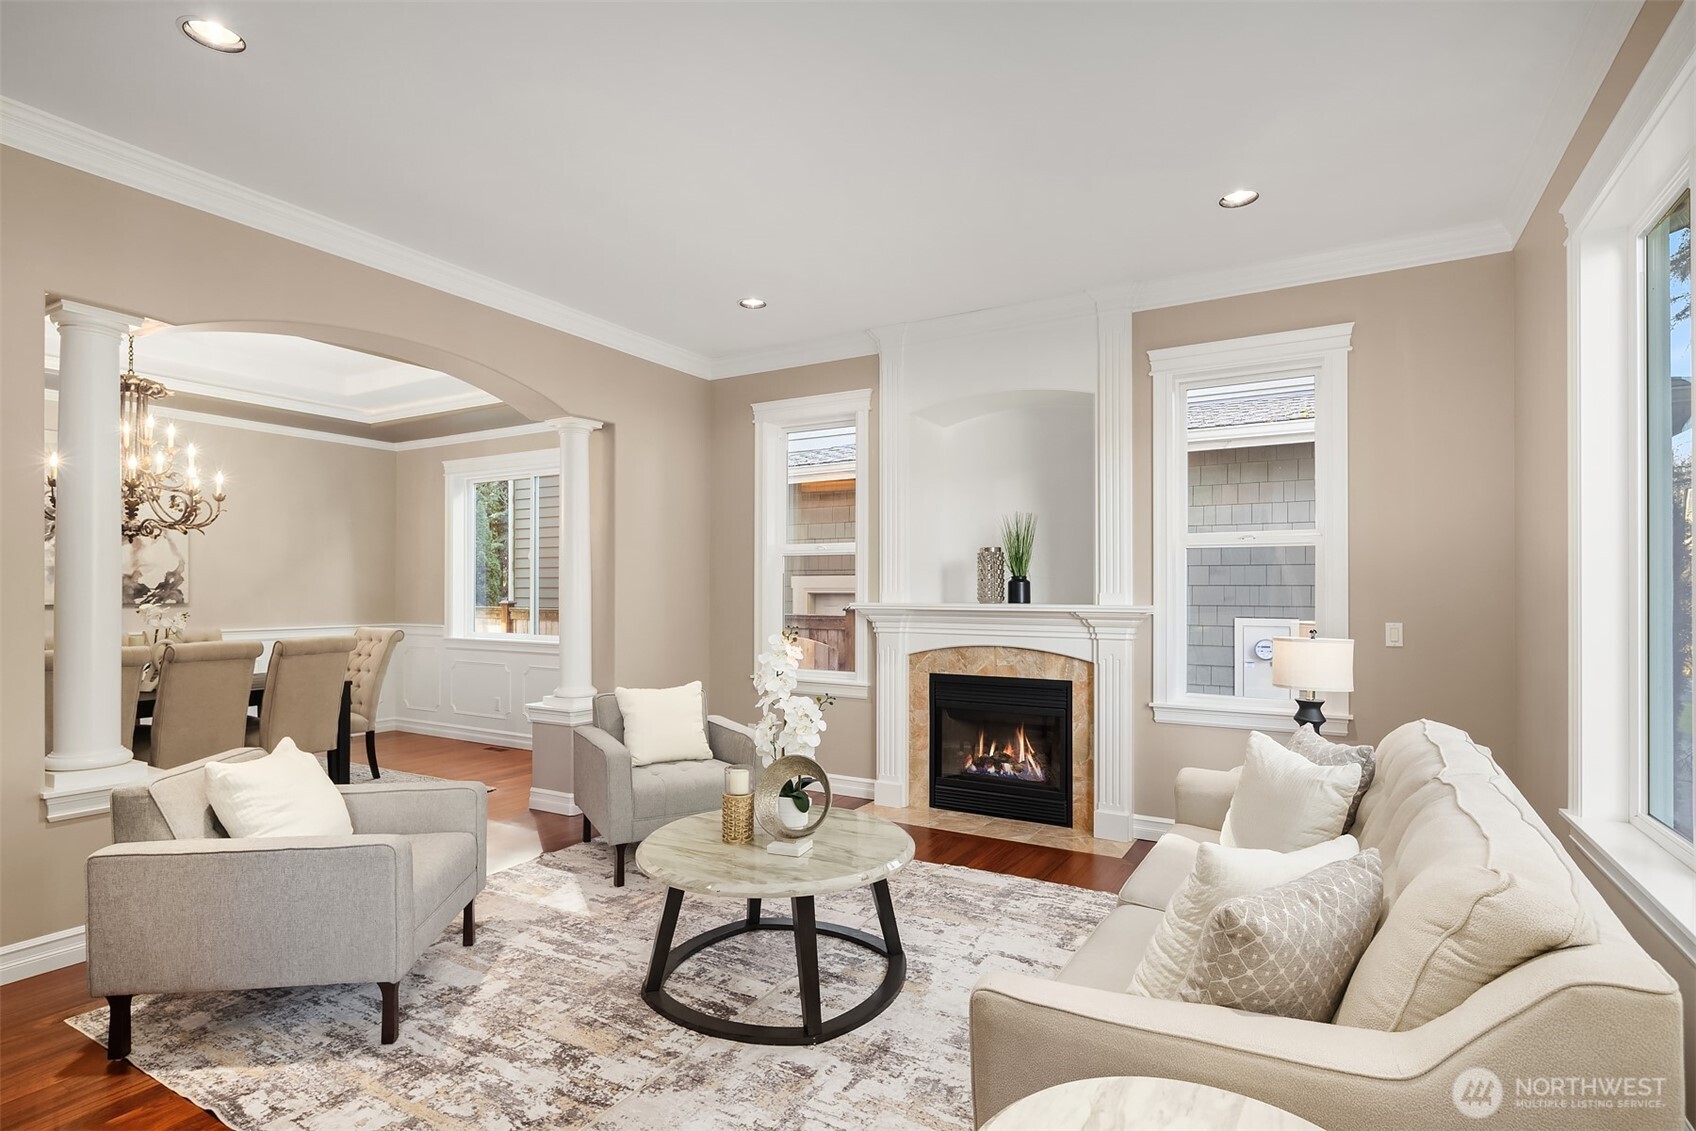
(1002, 747)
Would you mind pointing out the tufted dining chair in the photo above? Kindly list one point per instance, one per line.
(366, 668)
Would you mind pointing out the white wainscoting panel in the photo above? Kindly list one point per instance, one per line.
(472, 689)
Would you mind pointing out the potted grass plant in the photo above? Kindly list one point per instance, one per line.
(1018, 535)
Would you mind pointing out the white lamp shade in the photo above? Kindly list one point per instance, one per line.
(1313, 664)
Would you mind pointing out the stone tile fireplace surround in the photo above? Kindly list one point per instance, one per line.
(1088, 645)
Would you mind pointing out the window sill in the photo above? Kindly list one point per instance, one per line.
(508, 642)
(1656, 882)
(842, 689)
(1243, 716)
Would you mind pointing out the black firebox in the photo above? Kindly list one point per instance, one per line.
(1002, 746)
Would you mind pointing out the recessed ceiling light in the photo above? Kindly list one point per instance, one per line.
(211, 33)
(751, 303)
(1239, 199)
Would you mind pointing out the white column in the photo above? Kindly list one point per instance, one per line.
(1115, 474)
(89, 755)
(574, 697)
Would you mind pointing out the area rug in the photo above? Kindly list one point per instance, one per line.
(540, 1024)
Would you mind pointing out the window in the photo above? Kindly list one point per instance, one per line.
(1251, 516)
(1667, 796)
(811, 532)
(504, 545)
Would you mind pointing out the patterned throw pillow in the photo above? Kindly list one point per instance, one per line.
(1322, 752)
(1290, 950)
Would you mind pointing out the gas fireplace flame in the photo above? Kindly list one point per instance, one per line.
(1010, 758)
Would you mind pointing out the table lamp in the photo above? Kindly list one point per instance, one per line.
(1311, 666)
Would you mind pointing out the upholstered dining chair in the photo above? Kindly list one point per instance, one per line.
(186, 636)
(200, 708)
(303, 693)
(129, 692)
(365, 670)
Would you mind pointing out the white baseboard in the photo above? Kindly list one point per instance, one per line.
(39, 955)
(486, 735)
(853, 787)
(1150, 828)
(553, 801)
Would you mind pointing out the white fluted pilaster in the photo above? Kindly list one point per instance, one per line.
(89, 753)
(1114, 468)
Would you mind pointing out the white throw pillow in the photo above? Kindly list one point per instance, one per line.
(1285, 802)
(1220, 874)
(663, 724)
(285, 793)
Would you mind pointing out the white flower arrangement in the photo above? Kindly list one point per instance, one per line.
(165, 622)
(789, 723)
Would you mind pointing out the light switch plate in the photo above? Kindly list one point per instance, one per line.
(1392, 634)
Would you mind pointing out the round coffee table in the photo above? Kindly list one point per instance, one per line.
(849, 851)
(1142, 1101)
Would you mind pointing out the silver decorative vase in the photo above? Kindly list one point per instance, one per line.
(992, 576)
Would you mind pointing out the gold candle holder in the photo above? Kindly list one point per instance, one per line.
(738, 818)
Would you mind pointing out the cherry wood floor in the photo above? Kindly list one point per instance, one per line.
(53, 1078)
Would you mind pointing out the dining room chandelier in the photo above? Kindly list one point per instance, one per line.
(160, 482)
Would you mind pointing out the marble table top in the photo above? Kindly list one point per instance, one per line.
(1113, 1102)
(850, 850)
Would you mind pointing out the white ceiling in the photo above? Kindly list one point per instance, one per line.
(296, 374)
(856, 165)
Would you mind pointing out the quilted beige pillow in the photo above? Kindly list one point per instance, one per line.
(1453, 929)
(1322, 751)
(1220, 874)
(1289, 950)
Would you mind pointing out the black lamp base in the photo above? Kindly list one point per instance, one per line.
(1307, 711)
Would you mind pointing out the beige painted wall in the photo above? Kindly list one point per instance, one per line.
(303, 540)
(1430, 495)
(1540, 760)
(847, 746)
(71, 235)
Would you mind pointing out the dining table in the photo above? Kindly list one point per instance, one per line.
(337, 760)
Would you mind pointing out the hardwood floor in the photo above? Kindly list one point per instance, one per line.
(55, 1079)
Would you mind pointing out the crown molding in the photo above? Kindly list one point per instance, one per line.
(1372, 258)
(188, 416)
(838, 347)
(1599, 42)
(31, 130)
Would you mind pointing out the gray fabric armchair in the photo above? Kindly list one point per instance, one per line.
(626, 802)
(266, 912)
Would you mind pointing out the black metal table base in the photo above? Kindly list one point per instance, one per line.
(814, 1027)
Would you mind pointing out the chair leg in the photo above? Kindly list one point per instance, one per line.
(391, 1011)
(118, 1027)
(468, 926)
(371, 753)
(618, 868)
(588, 829)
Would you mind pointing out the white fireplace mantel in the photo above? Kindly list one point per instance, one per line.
(1101, 634)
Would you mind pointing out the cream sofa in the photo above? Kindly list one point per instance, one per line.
(1597, 1012)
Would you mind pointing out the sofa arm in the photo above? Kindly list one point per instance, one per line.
(205, 915)
(1203, 796)
(600, 783)
(1337, 1076)
(400, 808)
(730, 741)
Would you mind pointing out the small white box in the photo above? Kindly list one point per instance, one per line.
(790, 847)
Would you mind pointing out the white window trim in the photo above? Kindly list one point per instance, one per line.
(773, 420)
(1640, 166)
(1321, 352)
(459, 475)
